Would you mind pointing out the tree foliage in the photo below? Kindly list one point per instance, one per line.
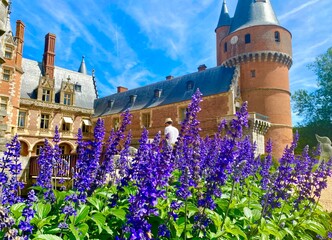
(316, 107)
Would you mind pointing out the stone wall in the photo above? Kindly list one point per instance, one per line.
(3, 128)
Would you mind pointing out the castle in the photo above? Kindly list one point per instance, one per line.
(253, 55)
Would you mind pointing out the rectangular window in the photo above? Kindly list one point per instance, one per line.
(225, 47)
(3, 103)
(38, 148)
(277, 36)
(44, 121)
(6, 74)
(21, 119)
(66, 124)
(182, 113)
(67, 99)
(146, 120)
(86, 126)
(8, 52)
(247, 38)
(46, 95)
(78, 88)
(116, 123)
(253, 73)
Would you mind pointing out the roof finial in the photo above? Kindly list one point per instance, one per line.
(82, 68)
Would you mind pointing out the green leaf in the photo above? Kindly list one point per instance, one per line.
(42, 210)
(179, 226)
(98, 204)
(47, 237)
(314, 226)
(215, 217)
(119, 213)
(45, 221)
(247, 212)
(99, 219)
(82, 230)
(17, 209)
(81, 214)
(236, 231)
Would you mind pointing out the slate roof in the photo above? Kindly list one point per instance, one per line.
(253, 13)
(33, 70)
(224, 18)
(210, 81)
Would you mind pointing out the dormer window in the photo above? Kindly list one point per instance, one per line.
(8, 52)
(247, 38)
(277, 36)
(46, 97)
(67, 99)
(133, 98)
(78, 88)
(110, 103)
(157, 93)
(190, 85)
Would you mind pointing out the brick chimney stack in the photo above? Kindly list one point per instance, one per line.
(20, 39)
(122, 89)
(201, 67)
(169, 77)
(49, 55)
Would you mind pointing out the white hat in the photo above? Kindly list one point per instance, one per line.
(168, 120)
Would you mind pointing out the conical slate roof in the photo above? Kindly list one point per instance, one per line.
(253, 13)
(82, 68)
(224, 19)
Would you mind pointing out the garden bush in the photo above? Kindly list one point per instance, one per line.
(211, 187)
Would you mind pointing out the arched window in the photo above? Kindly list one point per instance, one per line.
(277, 36)
(247, 38)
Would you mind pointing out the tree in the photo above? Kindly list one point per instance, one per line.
(316, 107)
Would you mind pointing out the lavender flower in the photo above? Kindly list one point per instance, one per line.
(10, 168)
(266, 166)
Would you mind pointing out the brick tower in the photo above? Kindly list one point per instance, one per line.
(254, 40)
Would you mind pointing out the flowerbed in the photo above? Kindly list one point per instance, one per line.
(203, 188)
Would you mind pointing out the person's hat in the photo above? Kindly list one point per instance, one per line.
(168, 120)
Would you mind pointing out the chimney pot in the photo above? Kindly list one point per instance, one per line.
(201, 67)
(122, 89)
(169, 77)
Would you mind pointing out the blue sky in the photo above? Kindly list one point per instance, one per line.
(132, 43)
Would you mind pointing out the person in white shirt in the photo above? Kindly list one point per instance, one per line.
(172, 132)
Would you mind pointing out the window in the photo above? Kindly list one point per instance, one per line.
(253, 73)
(247, 38)
(3, 103)
(182, 113)
(62, 149)
(225, 47)
(116, 123)
(110, 103)
(46, 95)
(133, 98)
(260, 0)
(38, 148)
(21, 119)
(66, 124)
(8, 52)
(277, 36)
(44, 121)
(86, 126)
(146, 120)
(190, 85)
(78, 88)
(6, 74)
(67, 99)
(157, 93)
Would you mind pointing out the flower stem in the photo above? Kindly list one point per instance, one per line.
(229, 203)
(185, 219)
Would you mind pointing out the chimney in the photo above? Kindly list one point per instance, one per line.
(49, 55)
(201, 67)
(169, 77)
(20, 39)
(122, 89)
